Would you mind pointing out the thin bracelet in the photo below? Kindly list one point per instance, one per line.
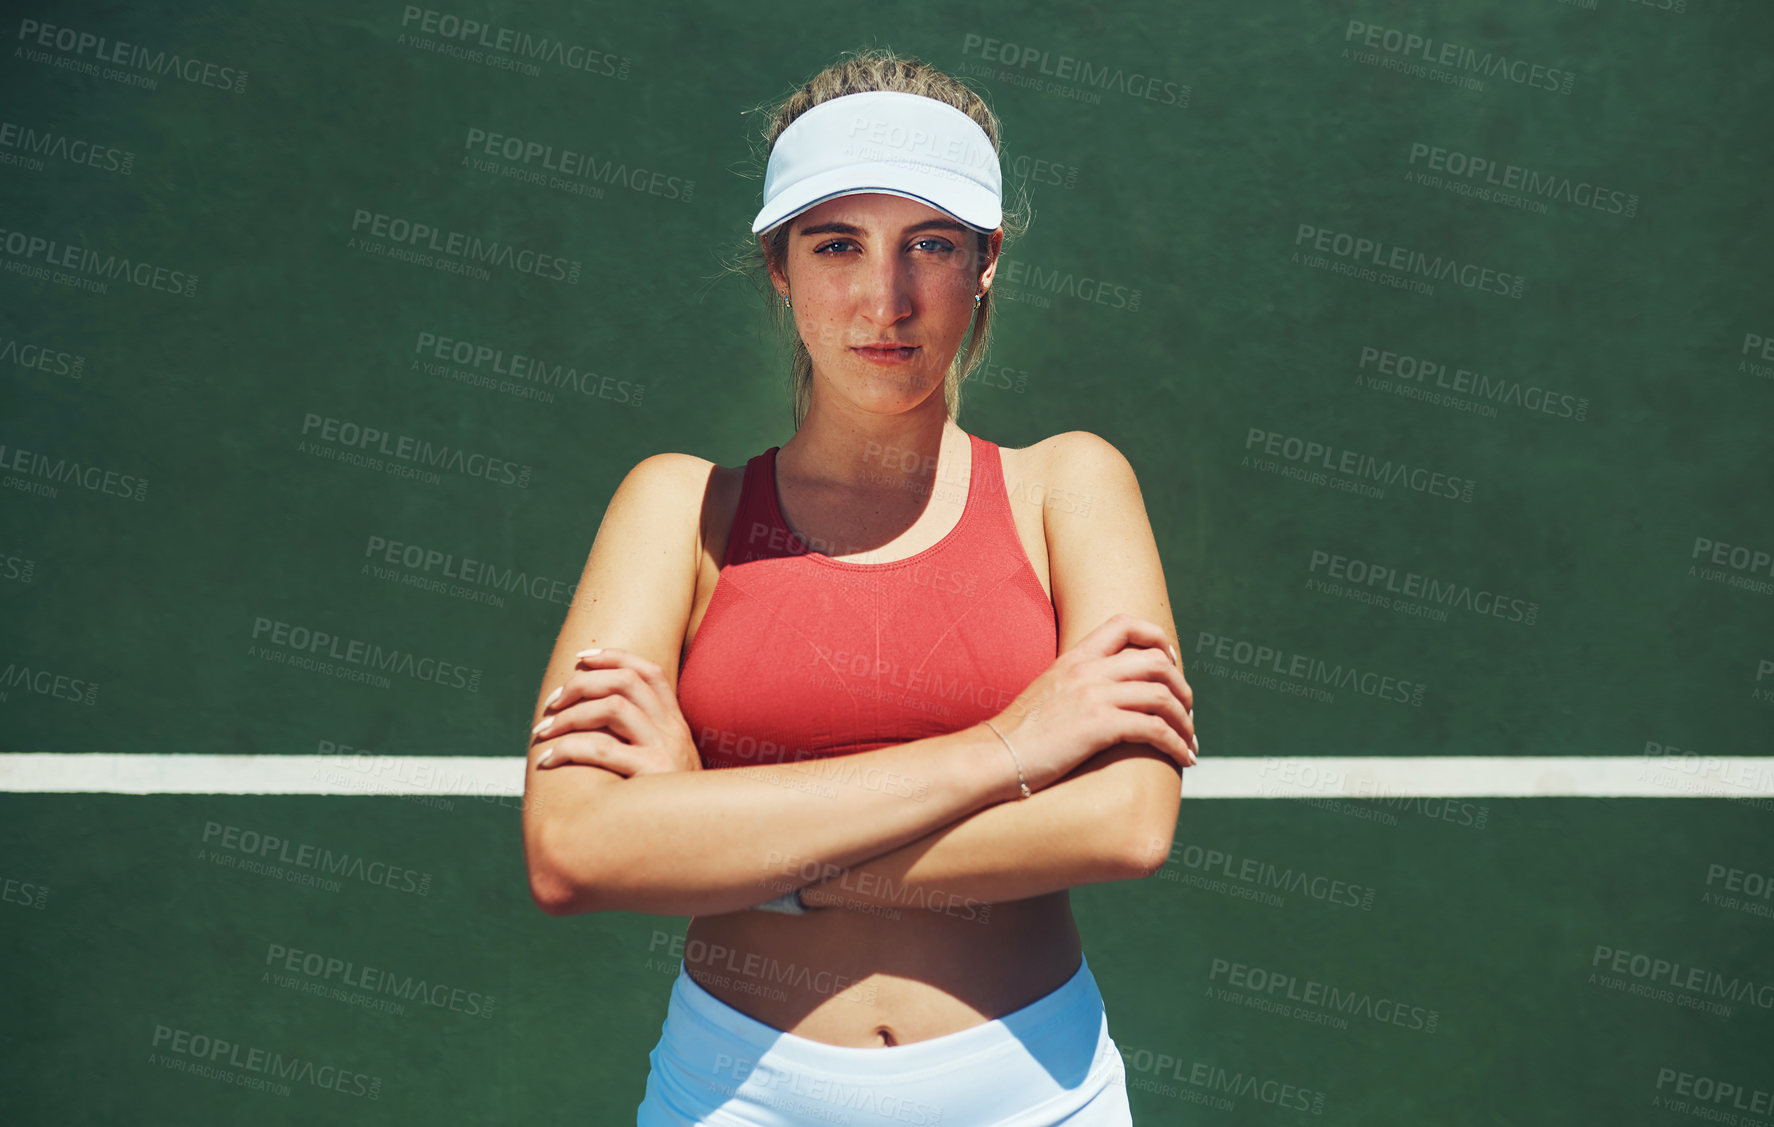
(1019, 763)
(789, 903)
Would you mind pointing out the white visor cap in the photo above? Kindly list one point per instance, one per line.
(884, 141)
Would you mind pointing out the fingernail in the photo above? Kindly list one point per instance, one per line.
(547, 723)
(554, 696)
(542, 760)
(590, 653)
(1173, 654)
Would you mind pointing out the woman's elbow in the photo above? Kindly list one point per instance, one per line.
(1145, 857)
(554, 896)
(554, 887)
(1149, 826)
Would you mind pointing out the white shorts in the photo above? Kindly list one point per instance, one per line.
(1051, 1062)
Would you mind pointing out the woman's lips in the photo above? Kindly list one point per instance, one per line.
(887, 355)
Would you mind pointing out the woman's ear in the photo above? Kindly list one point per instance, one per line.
(994, 241)
(776, 277)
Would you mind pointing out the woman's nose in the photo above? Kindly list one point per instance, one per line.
(886, 289)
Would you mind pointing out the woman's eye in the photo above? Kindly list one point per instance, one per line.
(938, 246)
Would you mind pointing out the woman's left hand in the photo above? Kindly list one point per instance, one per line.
(616, 711)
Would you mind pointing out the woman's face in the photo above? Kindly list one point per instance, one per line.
(877, 268)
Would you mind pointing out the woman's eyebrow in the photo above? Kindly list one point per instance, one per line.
(835, 228)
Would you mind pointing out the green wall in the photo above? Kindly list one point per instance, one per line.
(1435, 375)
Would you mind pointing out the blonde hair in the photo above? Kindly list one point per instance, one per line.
(858, 71)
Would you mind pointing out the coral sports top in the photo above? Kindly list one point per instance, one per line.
(801, 656)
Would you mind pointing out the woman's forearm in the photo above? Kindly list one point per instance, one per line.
(1070, 833)
(714, 841)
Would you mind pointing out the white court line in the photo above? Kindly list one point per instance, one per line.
(1373, 777)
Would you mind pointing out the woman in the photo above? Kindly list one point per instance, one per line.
(869, 705)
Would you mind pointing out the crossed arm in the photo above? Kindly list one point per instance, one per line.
(1076, 831)
(1112, 818)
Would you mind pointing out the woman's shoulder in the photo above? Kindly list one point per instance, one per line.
(700, 493)
(1074, 472)
(667, 473)
(1062, 455)
(672, 470)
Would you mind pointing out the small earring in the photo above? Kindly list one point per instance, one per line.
(786, 302)
(976, 298)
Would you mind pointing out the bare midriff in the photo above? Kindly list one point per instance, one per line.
(867, 975)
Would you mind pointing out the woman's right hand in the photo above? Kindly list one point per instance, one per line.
(615, 711)
(1117, 684)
